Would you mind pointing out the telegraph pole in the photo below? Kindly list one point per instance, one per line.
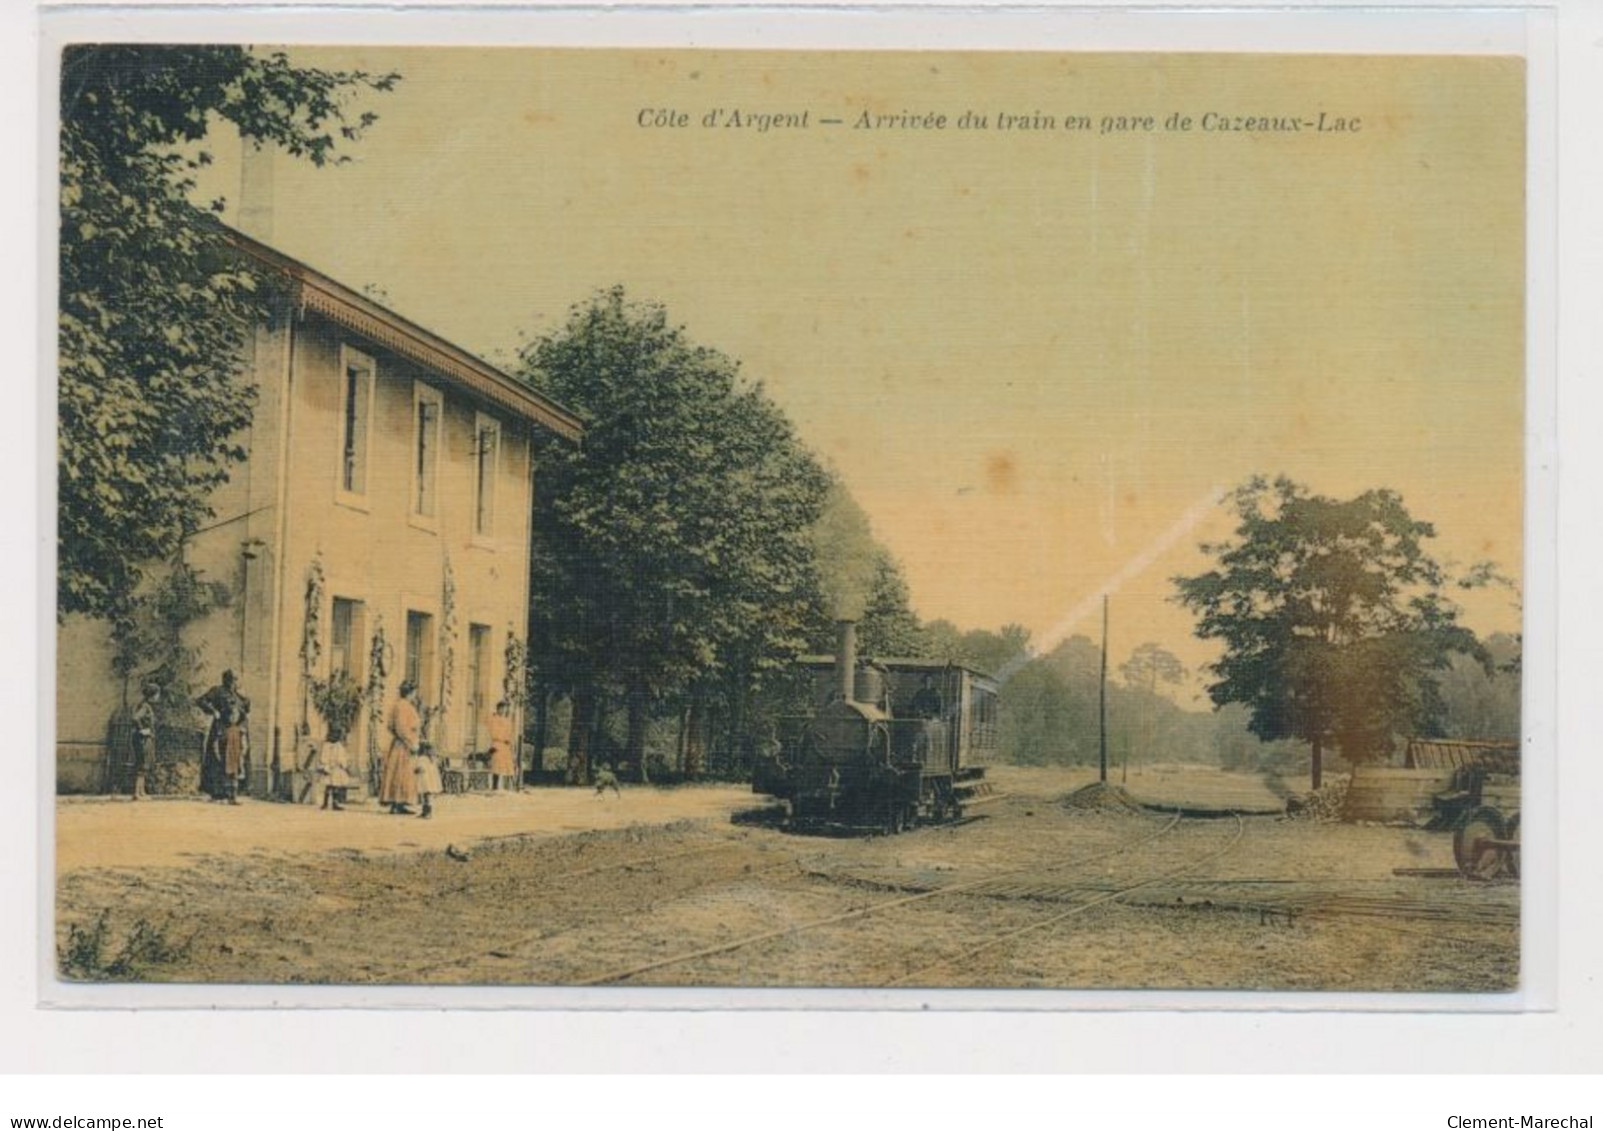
(1102, 698)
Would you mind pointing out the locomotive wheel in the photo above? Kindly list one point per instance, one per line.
(1476, 859)
(1511, 855)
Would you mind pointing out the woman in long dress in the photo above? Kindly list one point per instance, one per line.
(397, 784)
(227, 742)
(502, 763)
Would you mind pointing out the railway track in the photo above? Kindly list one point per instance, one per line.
(509, 948)
(979, 886)
(1111, 896)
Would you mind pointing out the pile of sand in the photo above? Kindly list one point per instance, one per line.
(1102, 798)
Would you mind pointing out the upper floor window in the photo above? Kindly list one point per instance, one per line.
(486, 462)
(356, 411)
(428, 410)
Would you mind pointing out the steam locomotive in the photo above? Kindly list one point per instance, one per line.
(888, 743)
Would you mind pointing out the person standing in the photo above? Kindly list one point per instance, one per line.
(332, 767)
(144, 721)
(503, 765)
(427, 771)
(397, 786)
(227, 742)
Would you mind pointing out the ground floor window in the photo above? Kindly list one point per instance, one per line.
(420, 653)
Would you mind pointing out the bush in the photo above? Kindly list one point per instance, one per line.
(83, 957)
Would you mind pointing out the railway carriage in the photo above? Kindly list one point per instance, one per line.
(888, 742)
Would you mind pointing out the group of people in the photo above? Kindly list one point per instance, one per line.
(410, 772)
(408, 776)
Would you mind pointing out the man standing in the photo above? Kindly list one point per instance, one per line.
(144, 720)
(227, 742)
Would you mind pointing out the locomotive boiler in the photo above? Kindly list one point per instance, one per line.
(890, 742)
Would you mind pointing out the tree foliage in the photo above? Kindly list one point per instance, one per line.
(890, 627)
(153, 312)
(673, 547)
(994, 653)
(1332, 618)
(1151, 664)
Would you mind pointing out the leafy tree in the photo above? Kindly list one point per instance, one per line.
(1151, 664)
(889, 627)
(1332, 617)
(154, 313)
(674, 547)
(1482, 700)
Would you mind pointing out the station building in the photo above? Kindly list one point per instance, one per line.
(381, 517)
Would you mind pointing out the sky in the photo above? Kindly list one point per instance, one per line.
(1037, 357)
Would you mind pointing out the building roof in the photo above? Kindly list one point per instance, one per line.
(1501, 756)
(315, 291)
(896, 663)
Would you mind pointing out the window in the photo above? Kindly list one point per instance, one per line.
(427, 411)
(420, 651)
(479, 703)
(486, 460)
(356, 409)
(345, 635)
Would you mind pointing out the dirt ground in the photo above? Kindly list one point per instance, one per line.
(701, 886)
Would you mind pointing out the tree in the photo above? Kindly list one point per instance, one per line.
(1332, 617)
(154, 311)
(673, 548)
(1147, 666)
(890, 627)
(1151, 664)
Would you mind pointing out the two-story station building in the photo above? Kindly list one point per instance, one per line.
(383, 510)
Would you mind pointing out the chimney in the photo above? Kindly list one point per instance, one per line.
(846, 659)
(255, 190)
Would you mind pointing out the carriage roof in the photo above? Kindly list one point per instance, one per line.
(908, 664)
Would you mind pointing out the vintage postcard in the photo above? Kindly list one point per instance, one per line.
(822, 519)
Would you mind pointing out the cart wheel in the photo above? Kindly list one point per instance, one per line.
(1511, 855)
(1476, 859)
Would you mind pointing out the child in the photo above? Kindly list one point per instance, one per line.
(144, 720)
(606, 779)
(332, 766)
(428, 777)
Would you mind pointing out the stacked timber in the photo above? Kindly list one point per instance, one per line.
(1327, 803)
(1392, 795)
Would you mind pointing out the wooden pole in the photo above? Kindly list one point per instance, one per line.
(1102, 699)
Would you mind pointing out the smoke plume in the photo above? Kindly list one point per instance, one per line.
(846, 553)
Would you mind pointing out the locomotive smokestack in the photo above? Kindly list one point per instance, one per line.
(846, 659)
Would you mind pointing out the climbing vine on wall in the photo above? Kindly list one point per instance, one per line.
(148, 633)
(311, 640)
(447, 644)
(312, 627)
(379, 656)
(512, 682)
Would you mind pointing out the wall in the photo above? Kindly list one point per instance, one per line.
(374, 550)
